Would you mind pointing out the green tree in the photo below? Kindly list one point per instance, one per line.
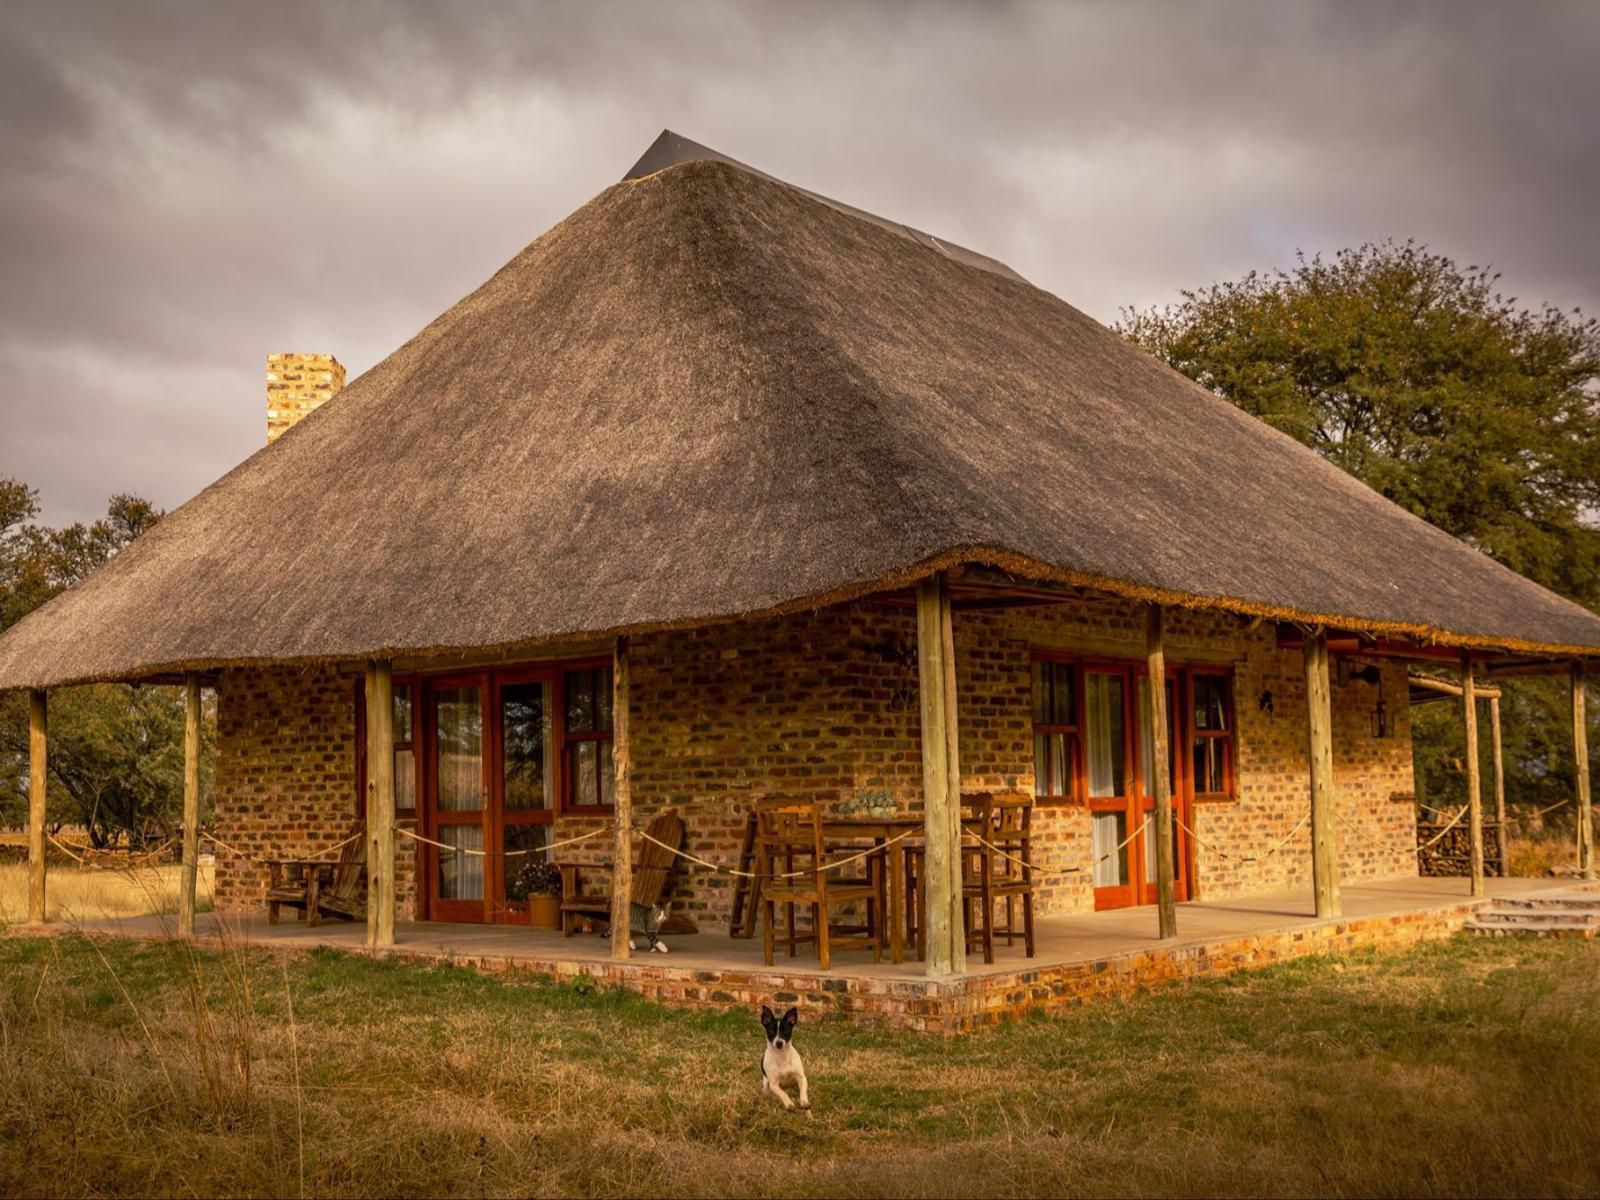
(116, 752)
(1419, 378)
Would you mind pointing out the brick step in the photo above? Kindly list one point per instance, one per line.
(1564, 929)
(1533, 918)
(1588, 903)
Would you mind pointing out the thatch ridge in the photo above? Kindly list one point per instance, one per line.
(706, 395)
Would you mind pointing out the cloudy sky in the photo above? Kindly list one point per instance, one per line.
(185, 188)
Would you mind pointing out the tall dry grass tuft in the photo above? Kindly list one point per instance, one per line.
(1540, 854)
(82, 894)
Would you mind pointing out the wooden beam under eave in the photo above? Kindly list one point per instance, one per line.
(1445, 688)
(1469, 717)
(622, 770)
(941, 780)
(190, 870)
(38, 739)
(381, 892)
(1155, 712)
(1319, 757)
(1580, 756)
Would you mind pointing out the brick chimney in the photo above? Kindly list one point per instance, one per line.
(298, 384)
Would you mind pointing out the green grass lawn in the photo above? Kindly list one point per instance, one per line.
(1462, 1067)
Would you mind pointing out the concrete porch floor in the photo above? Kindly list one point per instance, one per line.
(1084, 938)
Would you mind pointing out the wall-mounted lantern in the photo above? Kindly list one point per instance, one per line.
(1380, 716)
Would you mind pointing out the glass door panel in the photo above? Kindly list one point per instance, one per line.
(458, 722)
(527, 749)
(1104, 725)
(461, 873)
(1110, 855)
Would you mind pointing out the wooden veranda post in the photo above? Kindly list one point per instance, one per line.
(1319, 728)
(191, 805)
(1160, 768)
(622, 767)
(941, 779)
(1469, 717)
(38, 724)
(381, 895)
(1580, 755)
(1497, 759)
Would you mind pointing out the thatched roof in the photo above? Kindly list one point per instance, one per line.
(707, 394)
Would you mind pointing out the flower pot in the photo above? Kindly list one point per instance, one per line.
(544, 912)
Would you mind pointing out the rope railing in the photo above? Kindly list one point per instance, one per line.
(1243, 860)
(572, 841)
(1035, 874)
(1538, 812)
(1454, 821)
(314, 856)
(133, 863)
(828, 866)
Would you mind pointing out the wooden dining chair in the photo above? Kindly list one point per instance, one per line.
(791, 853)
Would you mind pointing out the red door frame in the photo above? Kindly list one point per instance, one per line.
(1136, 802)
(548, 674)
(430, 816)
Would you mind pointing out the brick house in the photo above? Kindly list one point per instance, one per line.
(778, 460)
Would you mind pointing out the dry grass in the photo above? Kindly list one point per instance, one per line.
(78, 894)
(1461, 1068)
(1533, 856)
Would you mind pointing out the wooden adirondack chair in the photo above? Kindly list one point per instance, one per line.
(650, 874)
(321, 886)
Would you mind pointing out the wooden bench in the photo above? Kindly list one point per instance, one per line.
(650, 873)
(318, 887)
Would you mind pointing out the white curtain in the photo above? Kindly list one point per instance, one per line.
(1108, 832)
(460, 873)
(1103, 727)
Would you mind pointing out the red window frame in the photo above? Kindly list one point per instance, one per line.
(1071, 735)
(565, 738)
(1226, 737)
(402, 684)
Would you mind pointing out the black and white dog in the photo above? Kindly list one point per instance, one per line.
(780, 1062)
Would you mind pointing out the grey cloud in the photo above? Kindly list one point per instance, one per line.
(187, 187)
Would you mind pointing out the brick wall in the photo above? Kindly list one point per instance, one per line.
(822, 704)
(286, 777)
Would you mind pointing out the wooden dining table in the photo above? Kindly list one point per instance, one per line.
(854, 833)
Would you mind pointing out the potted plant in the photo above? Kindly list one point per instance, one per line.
(537, 886)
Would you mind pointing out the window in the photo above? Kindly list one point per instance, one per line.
(405, 757)
(405, 753)
(587, 737)
(1055, 731)
(1211, 734)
